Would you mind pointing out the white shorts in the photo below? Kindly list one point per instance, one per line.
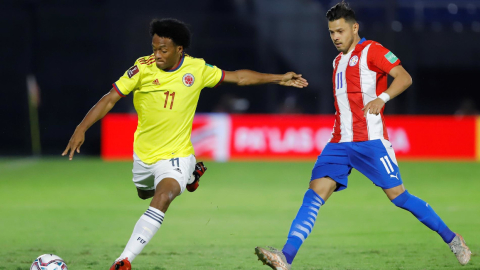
(147, 177)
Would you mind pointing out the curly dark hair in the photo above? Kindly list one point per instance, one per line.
(173, 29)
(341, 10)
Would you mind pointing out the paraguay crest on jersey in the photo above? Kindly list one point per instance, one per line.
(353, 61)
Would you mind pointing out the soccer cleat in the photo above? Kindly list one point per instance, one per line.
(273, 258)
(199, 171)
(460, 249)
(121, 265)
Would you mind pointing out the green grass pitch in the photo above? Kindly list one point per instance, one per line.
(84, 211)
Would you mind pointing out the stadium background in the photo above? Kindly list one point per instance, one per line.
(76, 49)
(59, 57)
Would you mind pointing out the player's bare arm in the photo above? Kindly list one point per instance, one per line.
(246, 77)
(97, 112)
(402, 80)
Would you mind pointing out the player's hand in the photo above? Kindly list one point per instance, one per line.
(293, 79)
(74, 144)
(373, 107)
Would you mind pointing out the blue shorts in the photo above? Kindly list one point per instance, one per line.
(375, 159)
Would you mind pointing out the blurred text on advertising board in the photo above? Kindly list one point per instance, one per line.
(224, 137)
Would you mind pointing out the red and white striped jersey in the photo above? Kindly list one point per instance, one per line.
(359, 77)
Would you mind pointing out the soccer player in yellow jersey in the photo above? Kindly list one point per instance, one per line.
(166, 87)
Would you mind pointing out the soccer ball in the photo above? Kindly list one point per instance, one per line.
(48, 262)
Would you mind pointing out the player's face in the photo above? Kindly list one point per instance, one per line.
(342, 34)
(167, 53)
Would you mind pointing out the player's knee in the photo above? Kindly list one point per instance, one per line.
(324, 187)
(401, 199)
(163, 199)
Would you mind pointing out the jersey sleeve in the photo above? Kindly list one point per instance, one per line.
(380, 59)
(212, 76)
(129, 81)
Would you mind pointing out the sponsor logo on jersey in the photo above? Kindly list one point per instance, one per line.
(156, 82)
(391, 57)
(353, 61)
(132, 71)
(178, 170)
(188, 79)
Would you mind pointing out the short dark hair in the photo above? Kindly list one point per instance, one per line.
(341, 10)
(173, 29)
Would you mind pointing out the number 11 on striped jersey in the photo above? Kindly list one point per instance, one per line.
(339, 82)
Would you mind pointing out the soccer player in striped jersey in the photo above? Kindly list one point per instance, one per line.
(166, 87)
(359, 139)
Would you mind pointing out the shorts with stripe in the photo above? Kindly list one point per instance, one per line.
(375, 159)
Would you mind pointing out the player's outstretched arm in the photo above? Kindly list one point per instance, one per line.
(402, 80)
(103, 106)
(246, 77)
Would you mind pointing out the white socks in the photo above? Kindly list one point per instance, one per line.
(144, 230)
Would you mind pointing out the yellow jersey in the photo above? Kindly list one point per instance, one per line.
(165, 102)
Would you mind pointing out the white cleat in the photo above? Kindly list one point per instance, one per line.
(273, 258)
(460, 249)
